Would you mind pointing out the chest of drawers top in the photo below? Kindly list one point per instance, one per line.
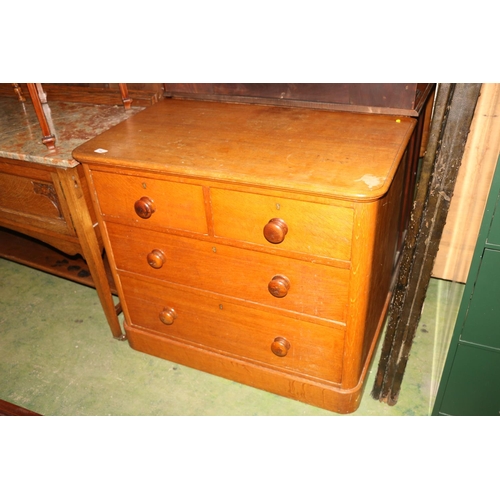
(344, 155)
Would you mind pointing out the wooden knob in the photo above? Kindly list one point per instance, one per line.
(167, 316)
(145, 207)
(280, 346)
(275, 231)
(279, 286)
(156, 258)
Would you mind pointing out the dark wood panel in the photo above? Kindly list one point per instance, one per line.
(316, 92)
(11, 410)
(191, 88)
(384, 98)
(384, 95)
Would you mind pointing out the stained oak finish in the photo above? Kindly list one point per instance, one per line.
(283, 223)
(224, 325)
(157, 203)
(277, 231)
(229, 270)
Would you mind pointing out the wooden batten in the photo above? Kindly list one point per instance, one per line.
(473, 184)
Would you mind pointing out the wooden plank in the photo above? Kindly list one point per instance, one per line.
(11, 410)
(388, 98)
(471, 191)
(454, 110)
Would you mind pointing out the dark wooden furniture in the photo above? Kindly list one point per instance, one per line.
(381, 98)
(255, 242)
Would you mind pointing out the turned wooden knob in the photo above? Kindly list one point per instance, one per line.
(279, 286)
(275, 230)
(156, 258)
(145, 207)
(280, 346)
(167, 316)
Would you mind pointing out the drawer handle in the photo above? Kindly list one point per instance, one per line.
(275, 231)
(280, 346)
(145, 207)
(279, 286)
(168, 316)
(156, 258)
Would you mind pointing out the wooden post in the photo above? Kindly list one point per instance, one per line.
(38, 99)
(127, 101)
(454, 109)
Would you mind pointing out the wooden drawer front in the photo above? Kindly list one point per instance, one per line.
(29, 197)
(311, 228)
(308, 288)
(173, 205)
(31, 202)
(235, 329)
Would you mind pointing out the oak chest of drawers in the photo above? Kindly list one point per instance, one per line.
(257, 243)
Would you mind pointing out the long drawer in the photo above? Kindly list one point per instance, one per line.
(210, 321)
(275, 281)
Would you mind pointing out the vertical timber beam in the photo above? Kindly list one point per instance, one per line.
(453, 112)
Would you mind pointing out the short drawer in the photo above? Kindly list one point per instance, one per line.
(280, 282)
(214, 323)
(152, 203)
(299, 226)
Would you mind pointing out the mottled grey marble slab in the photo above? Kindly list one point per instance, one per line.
(72, 123)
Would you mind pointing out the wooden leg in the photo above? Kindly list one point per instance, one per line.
(38, 97)
(70, 181)
(127, 101)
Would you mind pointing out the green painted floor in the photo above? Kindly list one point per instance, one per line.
(57, 357)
